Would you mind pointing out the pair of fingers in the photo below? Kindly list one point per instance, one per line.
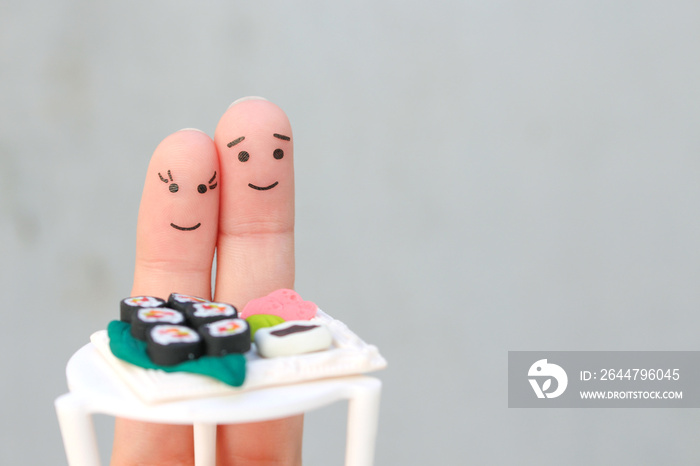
(235, 195)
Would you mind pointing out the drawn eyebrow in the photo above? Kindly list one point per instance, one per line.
(282, 137)
(235, 141)
(161, 178)
(212, 178)
(170, 176)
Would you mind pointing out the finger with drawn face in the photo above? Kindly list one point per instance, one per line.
(256, 228)
(176, 237)
(178, 218)
(255, 254)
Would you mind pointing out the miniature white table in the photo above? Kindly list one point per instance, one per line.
(94, 388)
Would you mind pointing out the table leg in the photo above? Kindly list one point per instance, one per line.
(363, 419)
(204, 444)
(77, 430)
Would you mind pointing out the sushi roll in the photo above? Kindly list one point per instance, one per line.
(168, 345)
(181, 301)
(226, 336)
(292, 337)
(127, 306)
(144, 319)
(199, 314)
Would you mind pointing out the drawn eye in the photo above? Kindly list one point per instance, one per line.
(202, 188)
(173, 187)
(278, 154)
(243, 156)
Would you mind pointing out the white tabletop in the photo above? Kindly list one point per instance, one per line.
(91, 377)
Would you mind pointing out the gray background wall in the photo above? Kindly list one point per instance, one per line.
(507, 175)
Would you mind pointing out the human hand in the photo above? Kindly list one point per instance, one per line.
(235, 195)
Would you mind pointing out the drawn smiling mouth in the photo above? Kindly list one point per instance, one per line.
(177, 227)
(263, 188)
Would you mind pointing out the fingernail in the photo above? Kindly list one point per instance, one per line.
(242, 99)
(192, 129)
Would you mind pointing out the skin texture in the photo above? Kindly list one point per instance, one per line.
(253, 231)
